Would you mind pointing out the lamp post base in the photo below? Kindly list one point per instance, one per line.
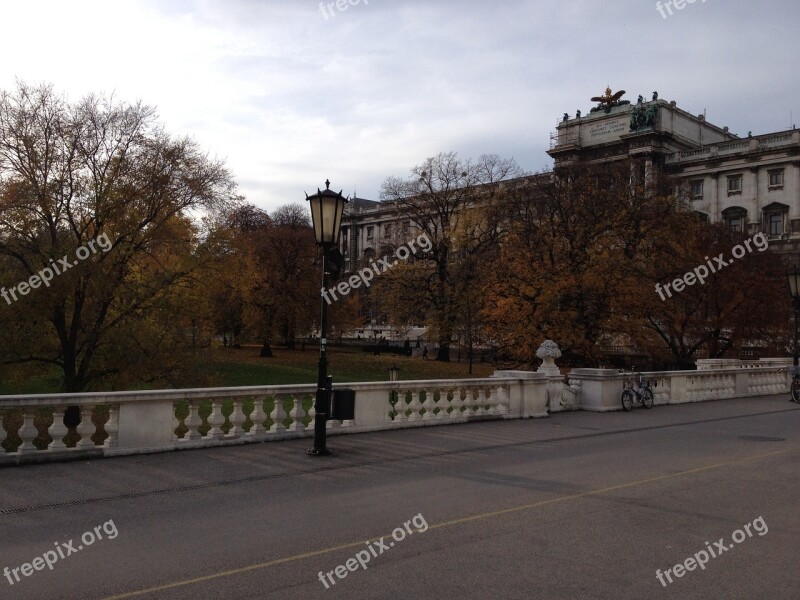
(317, 452)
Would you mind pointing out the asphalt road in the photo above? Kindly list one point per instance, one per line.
(581, 505)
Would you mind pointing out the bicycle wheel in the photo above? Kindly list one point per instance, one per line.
(627, 399)
(647, 397)
(796, 389)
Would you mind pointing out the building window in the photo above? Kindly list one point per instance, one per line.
(776, 179)
(735, 218)
(387, 230)
(775, 224)
(775, 215)
(370, 232)
(734, 184)
(697, 188)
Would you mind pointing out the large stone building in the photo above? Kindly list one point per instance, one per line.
(750, 183)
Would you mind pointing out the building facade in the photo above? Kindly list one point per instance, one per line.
(751, 184)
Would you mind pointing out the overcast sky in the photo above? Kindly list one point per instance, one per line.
(288, 95)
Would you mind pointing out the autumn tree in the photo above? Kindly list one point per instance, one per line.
(103, 174)
(577, 239)
(236, 272)
(588, 245)
(436, 200)
(743, 302)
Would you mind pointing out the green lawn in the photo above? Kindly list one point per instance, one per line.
(233, 367)
(243, 366)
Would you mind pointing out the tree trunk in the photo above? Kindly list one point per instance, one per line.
(443, 354)
(266, 351)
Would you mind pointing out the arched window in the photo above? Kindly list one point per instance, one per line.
(735, 217)
(774, 218)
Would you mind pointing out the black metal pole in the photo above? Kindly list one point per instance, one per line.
(322, 400)
(796, 323)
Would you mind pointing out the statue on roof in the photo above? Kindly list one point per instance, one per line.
(608, 100)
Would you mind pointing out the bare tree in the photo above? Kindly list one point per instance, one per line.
(439, 200)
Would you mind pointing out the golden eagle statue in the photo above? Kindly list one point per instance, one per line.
(608, 99)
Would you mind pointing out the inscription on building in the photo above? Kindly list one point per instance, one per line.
(605, 131)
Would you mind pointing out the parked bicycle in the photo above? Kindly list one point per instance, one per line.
(795, 387)
(642, 393)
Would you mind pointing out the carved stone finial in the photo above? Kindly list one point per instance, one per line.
(548, 351)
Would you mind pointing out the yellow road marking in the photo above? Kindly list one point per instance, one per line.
(486, 515)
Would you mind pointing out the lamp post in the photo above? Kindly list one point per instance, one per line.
(794, 290)
(326, 214)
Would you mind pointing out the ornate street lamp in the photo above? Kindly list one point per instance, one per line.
(794, 290)
(327, 208)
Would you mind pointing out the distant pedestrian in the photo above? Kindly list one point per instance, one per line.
(425, 353)
(224, 340)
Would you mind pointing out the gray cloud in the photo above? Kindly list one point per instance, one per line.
(291, 98)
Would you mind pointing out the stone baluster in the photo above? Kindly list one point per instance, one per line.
(258, 416)
(176, 422)
(215, 420)
(278, 416)
(27, 433)
(469, 402)
(428, 405)
(503, 401)
(85, 428)
(480, 402)
(57, 430)
(193, 421)
(112, 426)
(237, 419)
(456, 404)
(297, 414)
(401, 407)
(493, 400)
(312, 414)
(416, 406)
(443, 404)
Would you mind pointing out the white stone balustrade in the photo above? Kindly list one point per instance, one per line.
(601, 388)
(161, 420)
